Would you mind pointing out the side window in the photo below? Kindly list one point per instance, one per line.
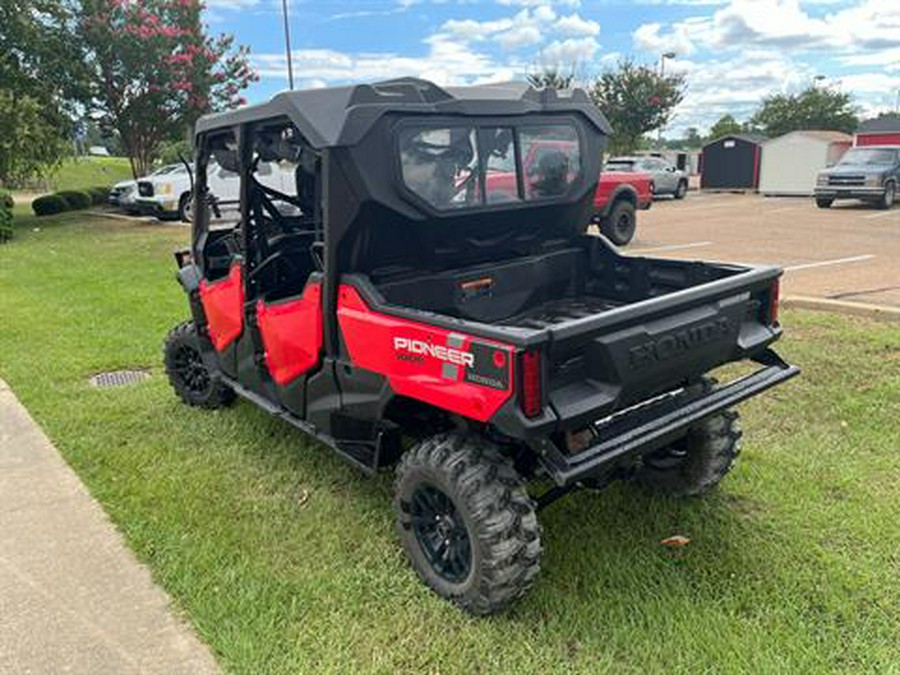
(222, 182)
(440, 165)
(551, 159)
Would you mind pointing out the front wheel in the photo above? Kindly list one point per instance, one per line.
(824, 202)
(619, 226)
(681, 190)
(887, 199)
(189, 376)
(466, 522)
(185, 208)
(697, 462)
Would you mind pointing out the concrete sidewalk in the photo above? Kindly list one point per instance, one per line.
(73, 598)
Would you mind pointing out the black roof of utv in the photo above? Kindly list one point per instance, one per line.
(340, 116)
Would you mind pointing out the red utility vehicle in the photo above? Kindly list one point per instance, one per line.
(424, 296)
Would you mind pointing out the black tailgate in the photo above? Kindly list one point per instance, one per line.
(604, 363)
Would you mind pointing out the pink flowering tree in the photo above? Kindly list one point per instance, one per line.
(156, 70)
(636, 99)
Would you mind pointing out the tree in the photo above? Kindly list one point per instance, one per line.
(636, 99)
(551, 77)
(155, 71)
(725, 126)
(692, 138)
(814, 108)
(41, 79)
(30, 140)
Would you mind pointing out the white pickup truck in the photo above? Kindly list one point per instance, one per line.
(168, 195)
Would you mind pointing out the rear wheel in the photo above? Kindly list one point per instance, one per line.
(189, 376)
(696, 463)
(824, 202)
(466, 522)
(619, 226)
(887, 199)
(681, 190)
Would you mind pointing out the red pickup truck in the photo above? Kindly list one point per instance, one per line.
(619, 194)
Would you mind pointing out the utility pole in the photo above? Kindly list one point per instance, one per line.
(287, 44)
(662, 74)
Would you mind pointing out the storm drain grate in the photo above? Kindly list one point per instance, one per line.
(119, 378)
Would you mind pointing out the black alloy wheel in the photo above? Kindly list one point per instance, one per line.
(189, 374)
(188, 365)
(441, 532)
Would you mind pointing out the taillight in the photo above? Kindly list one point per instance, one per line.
(774, 296)
(531, 384)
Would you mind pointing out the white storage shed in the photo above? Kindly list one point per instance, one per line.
(790, 162)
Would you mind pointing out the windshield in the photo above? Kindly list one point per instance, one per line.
(868, 156)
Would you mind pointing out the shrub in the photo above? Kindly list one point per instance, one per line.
(76, 199)
(6, 216)
(49, 205)
(99, 195)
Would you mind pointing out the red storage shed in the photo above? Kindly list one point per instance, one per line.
(880, 131)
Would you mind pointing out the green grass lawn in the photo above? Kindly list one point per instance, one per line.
(85, 172)
(793, 567)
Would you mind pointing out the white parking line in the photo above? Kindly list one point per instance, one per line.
(673, 247)
(878, 215)
(825, 263)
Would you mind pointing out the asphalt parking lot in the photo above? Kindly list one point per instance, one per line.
(850, 252)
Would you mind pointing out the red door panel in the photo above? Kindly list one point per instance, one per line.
(223, 304)
(292, 333)
(453, 371)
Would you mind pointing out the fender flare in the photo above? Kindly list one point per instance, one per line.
(624, 191)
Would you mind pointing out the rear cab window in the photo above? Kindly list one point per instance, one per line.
(458, 167)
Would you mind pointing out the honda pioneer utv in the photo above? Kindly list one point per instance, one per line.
(425, 297)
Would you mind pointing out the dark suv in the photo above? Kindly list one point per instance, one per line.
(870, 173)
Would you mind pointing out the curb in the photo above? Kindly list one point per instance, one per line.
(120, 216)
(878, 312)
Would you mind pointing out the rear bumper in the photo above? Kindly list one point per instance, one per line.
(642, 429)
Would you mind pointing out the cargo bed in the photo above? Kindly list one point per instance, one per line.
(611, 330)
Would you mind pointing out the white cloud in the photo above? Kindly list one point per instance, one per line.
(571, 51)
(575, 25)
(746, 49)
(519, 36)
(653, 38)
(538, 3)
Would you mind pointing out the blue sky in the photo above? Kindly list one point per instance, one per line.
(732, 52)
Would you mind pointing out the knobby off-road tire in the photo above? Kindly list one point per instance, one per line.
(696, 463)
(194, 383)
(620, 224)
(466, 522)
